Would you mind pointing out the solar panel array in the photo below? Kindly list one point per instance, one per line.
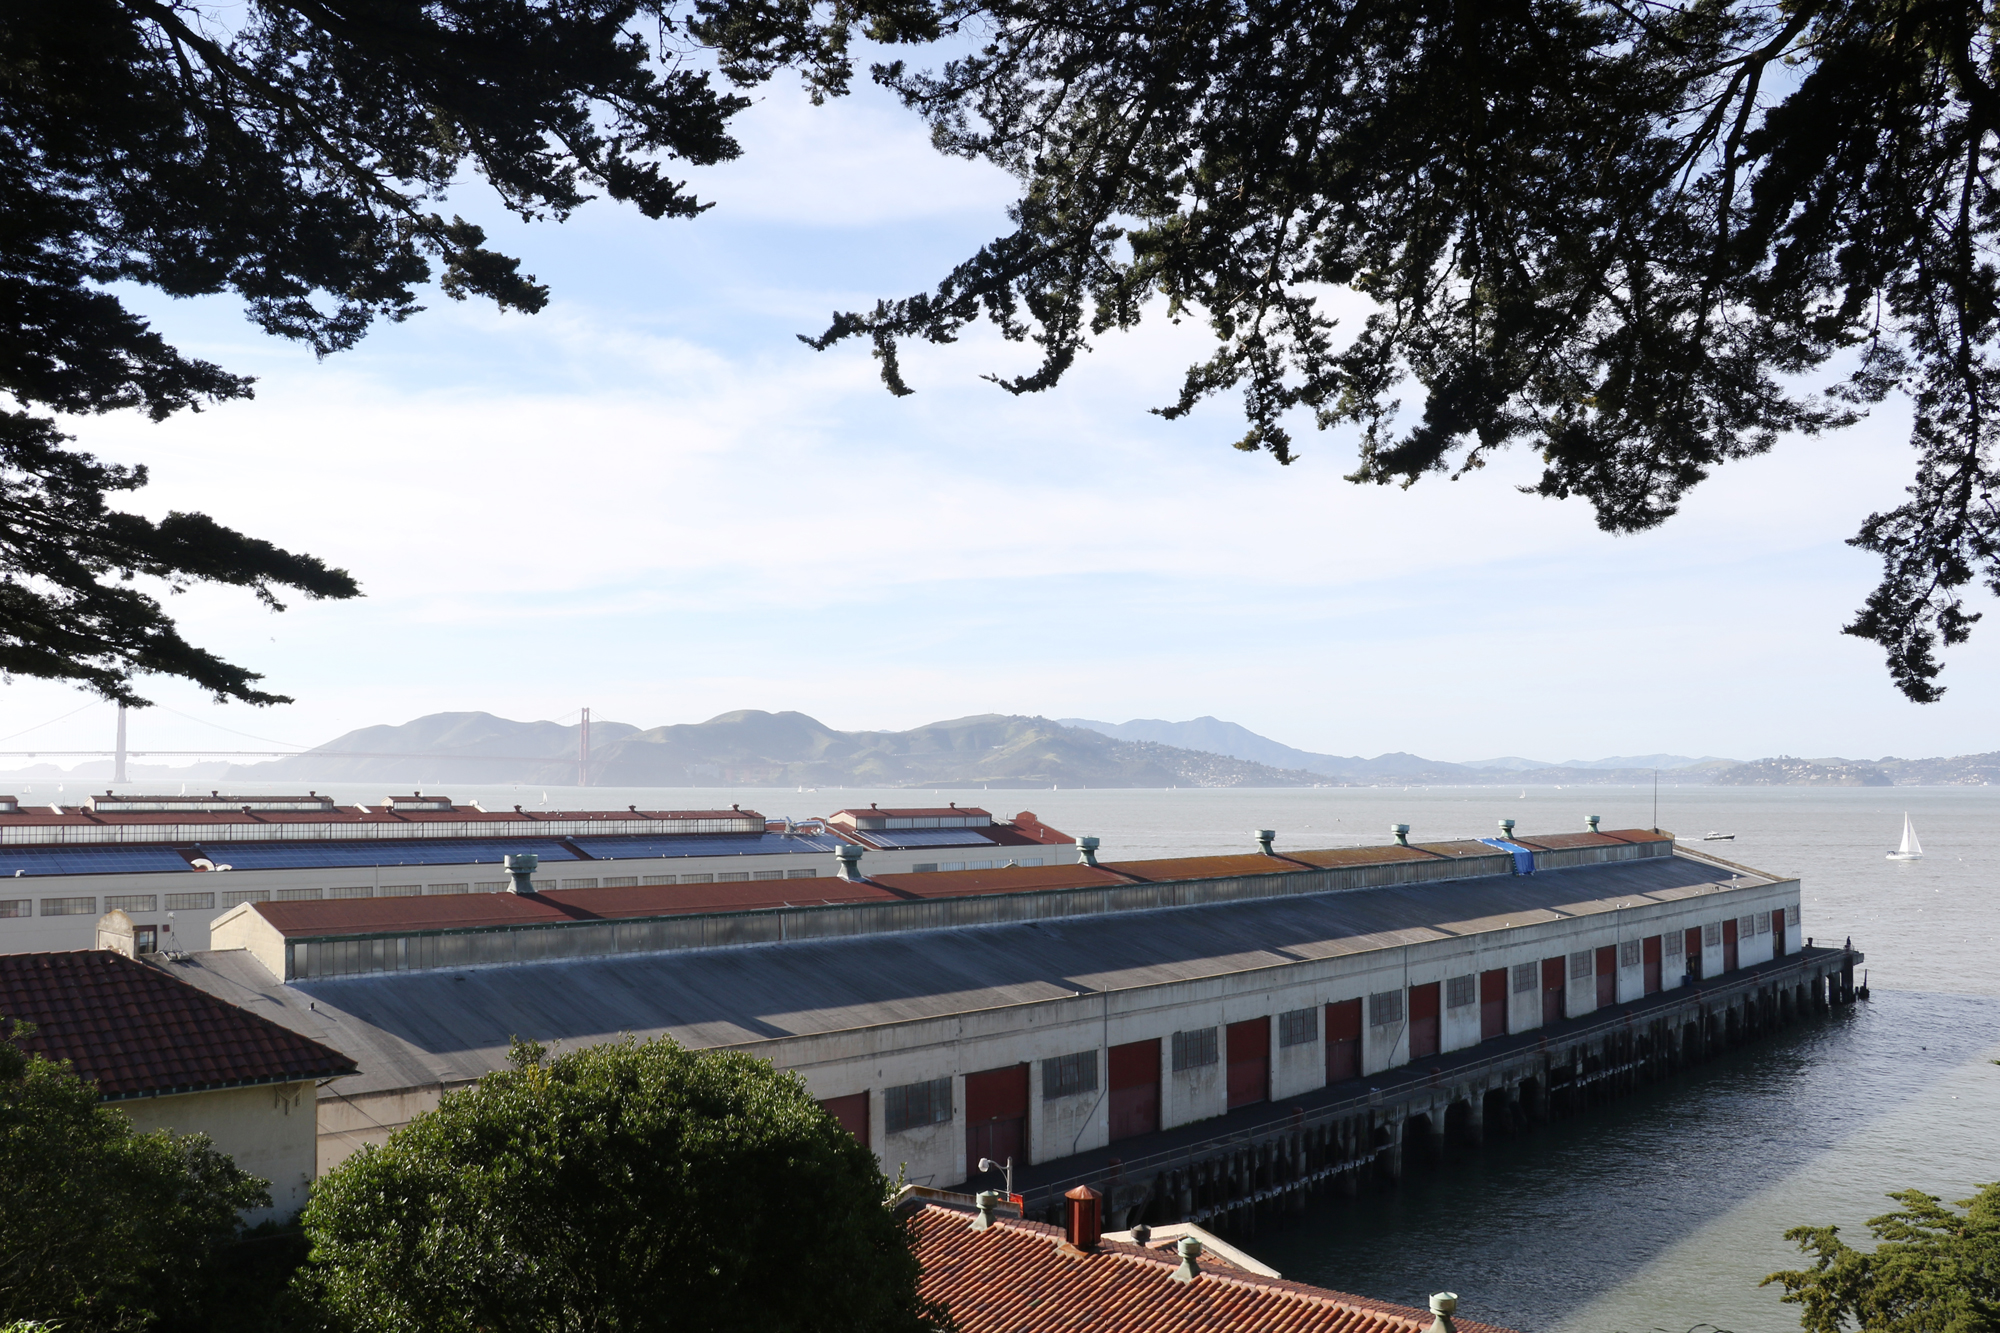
(414, 852)
(724, 844)
(90, 860)
(925, 837)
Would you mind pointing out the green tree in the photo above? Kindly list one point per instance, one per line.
(102, 1228)
(627, 1185)
(1642, 240)
(296, 154)
(1932, 1270)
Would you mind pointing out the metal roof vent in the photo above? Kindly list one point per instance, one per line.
(988, 1202)
(1443, 1305)
(1265, 837)
(1083, 1218)
(1506, 828)
(1592, 821)
(1086, 851)
(1402, 832)
(1190, 1250)
(521, 869)
(847, 861)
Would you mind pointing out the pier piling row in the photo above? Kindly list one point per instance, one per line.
(1363, 1138)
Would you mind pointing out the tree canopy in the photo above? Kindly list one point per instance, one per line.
(293, 153)
(1643, 240)
(1933, 1270)
(101, 1228)
(606, 1187)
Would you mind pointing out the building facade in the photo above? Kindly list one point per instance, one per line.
(1024, 1013)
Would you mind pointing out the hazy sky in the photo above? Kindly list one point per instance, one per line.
(652, 500)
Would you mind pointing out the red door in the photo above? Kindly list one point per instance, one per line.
(1555, 1001)
(1493, 1004)
(1607, 976)
(996, 1116)
(851, 1112)
(1693, 946)
(1343, 1041)
(1423, 1021)
(1650, 949)
(1729, 945)
(1249, 1056)
(1777, 932)
(1135, 1088)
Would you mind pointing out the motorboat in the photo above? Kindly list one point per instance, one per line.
(1713, 836)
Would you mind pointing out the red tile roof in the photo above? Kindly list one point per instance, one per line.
(1206, 867)
(471, 911)
(1010, 1278)
(1000, 879)
(136, 1031)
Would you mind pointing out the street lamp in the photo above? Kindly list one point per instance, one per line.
(1006, 1171)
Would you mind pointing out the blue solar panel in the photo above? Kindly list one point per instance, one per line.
(89, 860)
(720, 844)
(926, 837)
(415, 852)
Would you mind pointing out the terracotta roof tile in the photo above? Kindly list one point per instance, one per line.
(1010, 1278)
(135, 1030)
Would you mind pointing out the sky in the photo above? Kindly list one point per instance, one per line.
(651, 500)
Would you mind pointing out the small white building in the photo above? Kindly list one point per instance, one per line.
(174, 1057)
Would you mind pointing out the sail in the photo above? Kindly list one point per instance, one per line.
(1910, 847)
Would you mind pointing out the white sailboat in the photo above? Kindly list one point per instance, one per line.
(1911, 850)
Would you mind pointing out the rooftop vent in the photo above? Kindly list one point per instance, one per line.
(1592, 821)
(1190, 1250)
(988, 1203)
(418, 801)
(1083, 1218)
(10, 805)
(1506, 828)
(1265, 837)
(1443, 1306)
(1086, 851)
(847, 861)
(1402, 832)
(521, 870)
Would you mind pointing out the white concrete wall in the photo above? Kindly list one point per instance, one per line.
(1063, 1125)
(1460, 1027)
(270, 1131)
(1300, 1068)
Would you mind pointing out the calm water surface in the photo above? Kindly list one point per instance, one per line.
(1664, 1211)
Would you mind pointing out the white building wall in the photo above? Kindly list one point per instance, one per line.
(1300, 1068)
(270, 1131)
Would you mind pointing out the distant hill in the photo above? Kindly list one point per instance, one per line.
(755, 748)
(1209, 733)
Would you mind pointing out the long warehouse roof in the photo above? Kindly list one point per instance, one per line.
(424, 1027)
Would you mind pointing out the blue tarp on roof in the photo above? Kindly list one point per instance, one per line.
(1524, 860)
(925, 837)
(399, 852)
(151, 858)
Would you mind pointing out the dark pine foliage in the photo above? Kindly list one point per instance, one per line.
(1643, 239)
(292, 154)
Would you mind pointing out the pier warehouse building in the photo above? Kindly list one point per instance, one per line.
(172, 863)
(1032, 1013)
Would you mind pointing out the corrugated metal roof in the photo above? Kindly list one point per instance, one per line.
(418, 1027)
(408, 852)
(1359, 856)
(29, 861)
(924, 837)
(1000, 879)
